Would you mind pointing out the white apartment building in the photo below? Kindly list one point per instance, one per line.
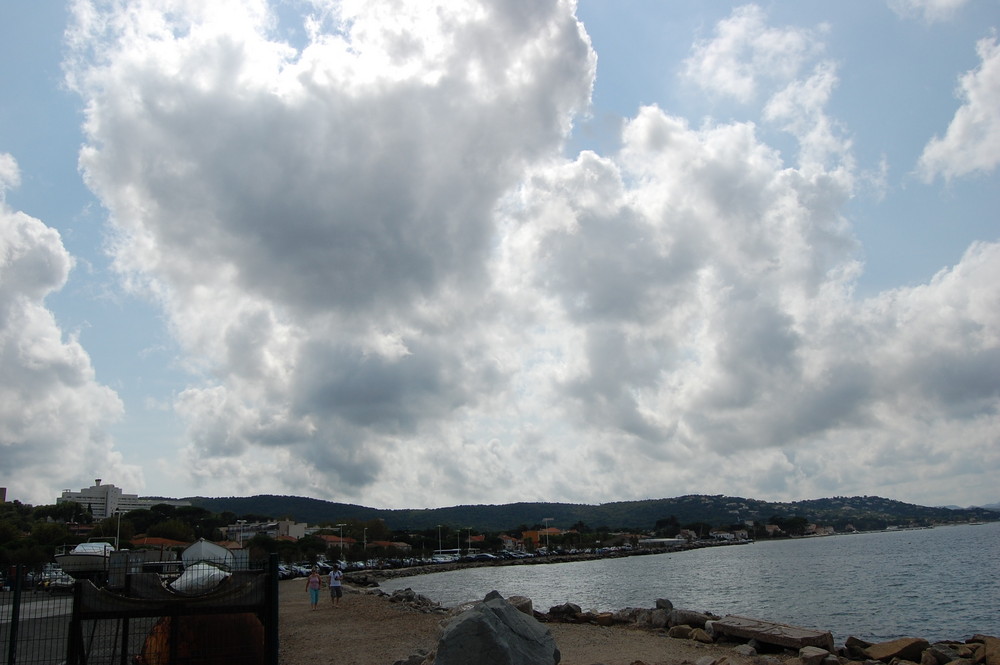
(104, 500)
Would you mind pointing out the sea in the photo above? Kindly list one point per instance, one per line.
(940, 584)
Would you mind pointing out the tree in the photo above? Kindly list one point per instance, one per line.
(174, 529)
(668, 527)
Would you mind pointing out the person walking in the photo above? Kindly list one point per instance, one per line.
(336, 586)
(313, 584)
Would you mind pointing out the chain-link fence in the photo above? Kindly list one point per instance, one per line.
(204, 613)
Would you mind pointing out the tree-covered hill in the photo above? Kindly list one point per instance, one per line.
(863, 512)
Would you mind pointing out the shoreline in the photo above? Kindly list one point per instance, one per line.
(371, 627)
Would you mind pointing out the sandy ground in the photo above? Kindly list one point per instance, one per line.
(366, 629)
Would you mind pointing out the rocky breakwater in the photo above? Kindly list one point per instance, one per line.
(509, 631)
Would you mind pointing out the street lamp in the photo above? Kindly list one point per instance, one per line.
(439, 539)
(118, 535)
(545, 521)
(341, 527)
(240, 524)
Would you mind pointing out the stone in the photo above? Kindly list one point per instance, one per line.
(745, 650)
(658, 618)
(627, 615)
(680, 632)
(564, 610)
(688, 618)
(664, 604)
(769, 632)
(855, 647)
(708, 660)
(812, 655)
(604, 619)
(417, 658)
(906, 648)
(523, 604)
(494, 632)
(938, 654)
(991, 648)
(699, 635)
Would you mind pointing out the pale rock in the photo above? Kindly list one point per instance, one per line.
(687, 617)
(905, 648)
(812, 655)
(523, 604)
(680, 632)
(699, 635)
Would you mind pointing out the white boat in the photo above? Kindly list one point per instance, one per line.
(86, 560)
(203, 550)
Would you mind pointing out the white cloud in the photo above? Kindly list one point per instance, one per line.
(931, 11)
(972, 142)
(390, 285)
(53, 414)
(745, 52)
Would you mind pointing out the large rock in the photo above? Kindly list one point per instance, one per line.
(939, 654)
(991, 648)
(494, 632)
(687, 618)
(905, 648)
(770, 632)
(523, 603)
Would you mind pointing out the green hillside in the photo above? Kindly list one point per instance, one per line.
(863, 512)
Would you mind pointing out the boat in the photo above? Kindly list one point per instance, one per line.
(203, 550)
(87, 560)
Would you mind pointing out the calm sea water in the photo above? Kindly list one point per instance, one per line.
(941, 583)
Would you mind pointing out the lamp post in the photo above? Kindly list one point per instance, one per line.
(341, 527)
(439, 539)
(364, 547)
(240, 524)
(118, 534)
(545, 521)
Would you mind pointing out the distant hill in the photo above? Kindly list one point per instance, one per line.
(863, 512)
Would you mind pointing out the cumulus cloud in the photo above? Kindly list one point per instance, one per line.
(745, 52)
(54, 415)
(972, 142)
(392, 288)
(930, 11)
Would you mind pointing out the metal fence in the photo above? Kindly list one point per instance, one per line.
(209, 615)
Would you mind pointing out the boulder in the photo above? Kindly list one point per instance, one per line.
(710, 660)
(688, 618)
(680, 632)
(604, 619)
(938, 654)
(627, 614)
(522, 603)
(855, 647)
(664, 604)
(745, 650)
(770, 632)
(658, 618)
(700, 635)
(494, 632)
(991, 648)
(564, 611)
(905, 648)
(812, 655)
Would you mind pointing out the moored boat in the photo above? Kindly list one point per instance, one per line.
(87, 560)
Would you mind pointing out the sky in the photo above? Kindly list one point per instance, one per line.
(412, 255)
